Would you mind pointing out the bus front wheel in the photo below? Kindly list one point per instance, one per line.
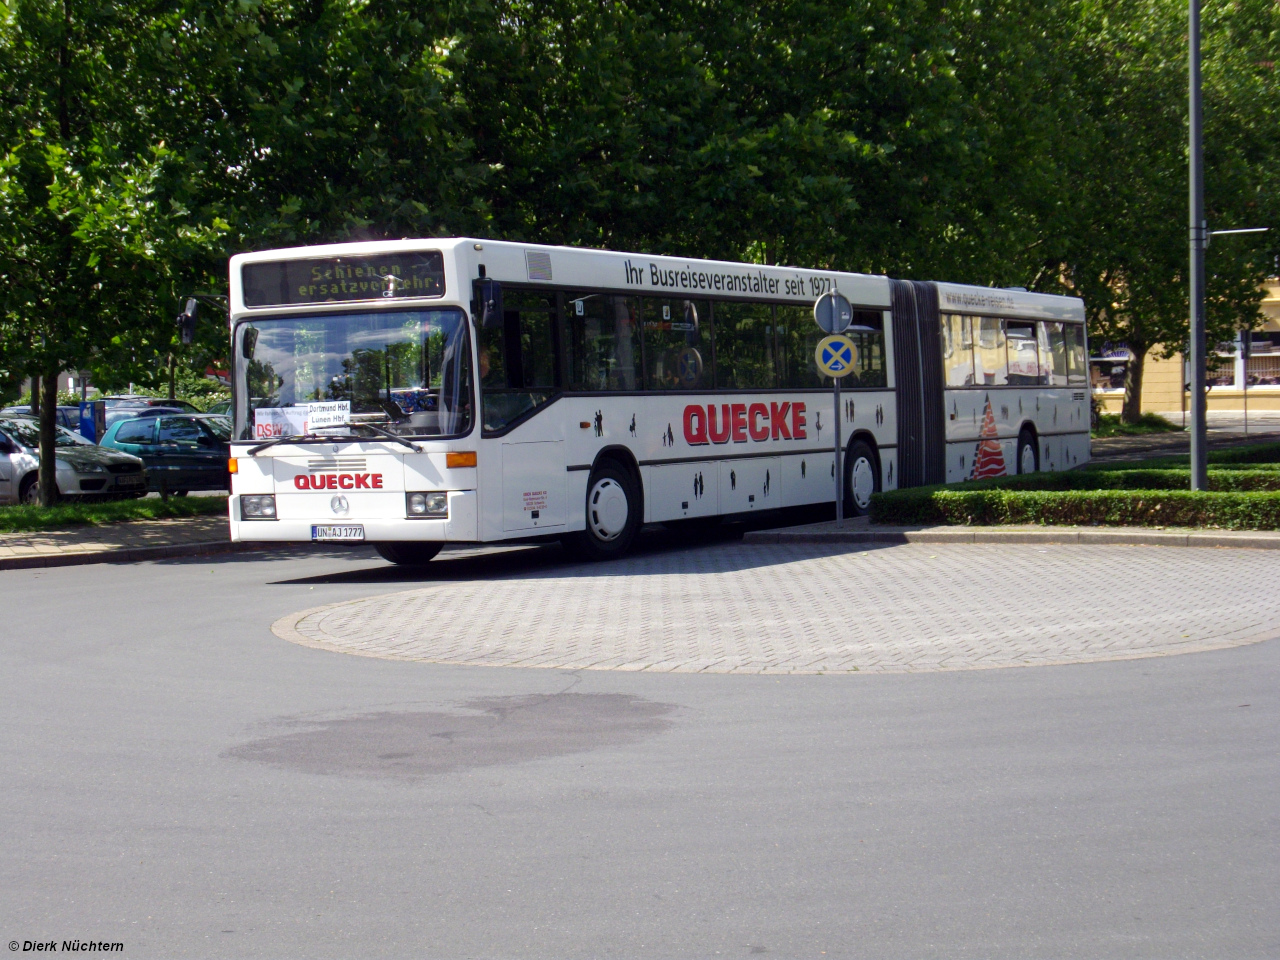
(613, 515)
(409, 554)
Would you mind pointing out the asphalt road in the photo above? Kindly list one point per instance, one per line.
(175, 778)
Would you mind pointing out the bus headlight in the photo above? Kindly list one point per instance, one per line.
(257, 507)
(433, 506)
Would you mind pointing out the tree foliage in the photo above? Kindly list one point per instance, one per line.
(1018, 142)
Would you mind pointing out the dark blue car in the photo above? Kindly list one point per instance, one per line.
(182, 452)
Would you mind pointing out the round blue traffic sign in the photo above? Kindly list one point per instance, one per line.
(836, 356)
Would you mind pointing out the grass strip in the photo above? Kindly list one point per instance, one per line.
(30, 519)
(1242, 478)
(1144, 508)
(1255, 456)
(1110, 425)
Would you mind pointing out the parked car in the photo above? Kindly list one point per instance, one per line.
(222, 408)
(220, 425)
(116, 414)
(182, 452)
(136, 400)
(83, 468)
(68, 417)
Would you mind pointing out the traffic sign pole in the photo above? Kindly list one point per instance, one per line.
(839, 466)
(835, 356)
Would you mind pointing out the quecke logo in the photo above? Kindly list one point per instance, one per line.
(720, 423)
(338, 481)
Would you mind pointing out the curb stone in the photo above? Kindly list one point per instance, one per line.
(1116, 536)
(73, 558)
(814, 533)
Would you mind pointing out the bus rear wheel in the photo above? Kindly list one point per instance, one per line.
(408, 554)
(613, 515)
(861, 478)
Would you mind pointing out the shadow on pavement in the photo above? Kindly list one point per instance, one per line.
(655, 542)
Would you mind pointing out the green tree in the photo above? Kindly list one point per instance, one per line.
(1118, 237)
(93, 232)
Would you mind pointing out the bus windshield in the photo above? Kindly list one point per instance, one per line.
(405, 371)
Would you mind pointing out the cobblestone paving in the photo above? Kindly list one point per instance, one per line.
(817, 609)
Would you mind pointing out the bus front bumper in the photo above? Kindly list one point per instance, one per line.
(380, 518)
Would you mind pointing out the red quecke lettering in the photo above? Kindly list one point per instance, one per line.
(720, 423)
(339, 481)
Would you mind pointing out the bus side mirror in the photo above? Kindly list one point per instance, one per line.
(489, 303)
(249, 343)
(187, 321)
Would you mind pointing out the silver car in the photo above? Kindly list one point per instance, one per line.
(84, 469)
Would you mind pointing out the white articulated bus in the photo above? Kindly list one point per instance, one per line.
(414, 393)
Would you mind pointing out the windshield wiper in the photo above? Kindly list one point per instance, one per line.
(296, 438)
(316, 438)
(390, 436)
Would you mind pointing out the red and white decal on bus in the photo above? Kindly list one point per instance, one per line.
(742, 421)
(338, 481)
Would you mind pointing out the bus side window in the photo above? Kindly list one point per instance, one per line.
(798, 338)
(517, 358)
(1024, 355)
(1055, 354)
(957, 350)
(677, 349)
(990, 365)
(744, 346)
(1077, 369)
(867, 334)
(603, 334)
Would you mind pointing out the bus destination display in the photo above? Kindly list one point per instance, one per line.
(341, 279)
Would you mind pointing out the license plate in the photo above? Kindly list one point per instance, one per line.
(130, 482)
(349, 531)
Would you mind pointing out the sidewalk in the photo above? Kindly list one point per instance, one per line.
(860, 531)
(117, 542)
(203, 536)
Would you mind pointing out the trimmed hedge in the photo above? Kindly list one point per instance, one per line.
(1240, 479)
(1243, 494)
(1164, 508)
(24, 518)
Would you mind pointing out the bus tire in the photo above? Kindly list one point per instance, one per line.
(1028, 452)
(613, 514)
(408, 553)
(861, 478)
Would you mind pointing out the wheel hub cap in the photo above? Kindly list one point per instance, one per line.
(607, 509)
(864, 481)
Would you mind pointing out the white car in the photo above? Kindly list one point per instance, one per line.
(84, 468)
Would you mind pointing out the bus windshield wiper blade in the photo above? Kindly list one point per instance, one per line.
(390, 436)
(296, 438)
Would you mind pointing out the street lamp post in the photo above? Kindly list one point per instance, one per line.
(1199, 235)
(1199, 441)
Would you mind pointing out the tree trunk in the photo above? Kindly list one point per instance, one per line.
(35, 396)
(1132, 410)
(48, 439)
(172, 374)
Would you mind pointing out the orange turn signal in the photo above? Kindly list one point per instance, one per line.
(233, 465)
(452, 460)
